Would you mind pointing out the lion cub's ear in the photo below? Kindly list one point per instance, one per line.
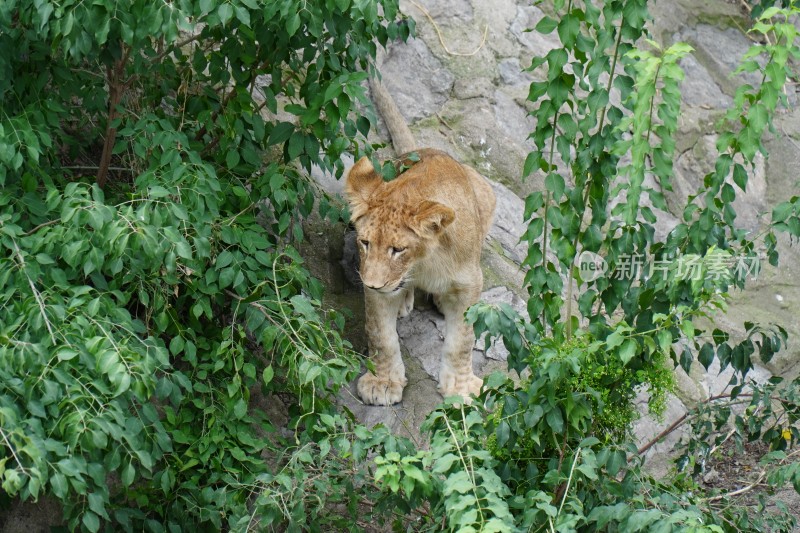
(360, 183)
(431, 218)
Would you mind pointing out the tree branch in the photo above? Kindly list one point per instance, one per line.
(116, 88)
(679, 422)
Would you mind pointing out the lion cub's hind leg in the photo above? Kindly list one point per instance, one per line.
(406, 303)
(437, 302)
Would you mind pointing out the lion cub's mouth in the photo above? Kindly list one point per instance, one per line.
(392, 290)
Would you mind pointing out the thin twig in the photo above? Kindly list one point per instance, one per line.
(91, 167)
(11, 449)
(737, 492)
(441, 39)
(749, 487)
(679, 422)
(223, 104)
(36, 295)
(569, 481)
(470, 472)
(783, 129)
(404, 423)
(40, 226)
(179, 45)
(730, 434)
(675, 425)
(443, 121)
(747, 7)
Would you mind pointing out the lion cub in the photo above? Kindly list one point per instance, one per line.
(424, 229)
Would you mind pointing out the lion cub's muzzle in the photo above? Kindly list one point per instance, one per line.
(381, 278)
(387, 288)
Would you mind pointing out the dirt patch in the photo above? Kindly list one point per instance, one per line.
(30, 517)
(739, 474)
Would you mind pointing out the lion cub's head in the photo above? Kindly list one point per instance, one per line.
(395, 225)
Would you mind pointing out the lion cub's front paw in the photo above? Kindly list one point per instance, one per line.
(452, 385)
(380, 391)
(407, 305)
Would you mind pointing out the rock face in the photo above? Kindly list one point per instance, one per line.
(466, 95)
(472, 106)
(407, 64)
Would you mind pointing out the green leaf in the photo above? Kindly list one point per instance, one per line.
(758, 117)
(44, 259)
(243, 15)
(226, 277)
(303, 306)
(267, 375)
(280, 133)
(664, 340)
(91, 521)
(363, 125)
(533, 203)
(503, 433)
(225, 12)
(555, 420)
(232, 159)
(568, 28)
(293, 24)
(97, 504)
(530, 165)
(58, 482)
(183, 249)
(296, 143)
(616, 460)
(687, 327)
(176, 345)
(157, 191)
(223, 259)
(127, 475)
(781, 212)
(555, 184)
(615, 339)
(706, 355)
(546, 25)
(66, 354)
(740, 176)
(628, 350)
(240, 409)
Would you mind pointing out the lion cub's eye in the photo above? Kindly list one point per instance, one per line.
(397, 251)
(364, 243)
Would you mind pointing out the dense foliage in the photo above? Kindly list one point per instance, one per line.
(152, 163)
(165, 363)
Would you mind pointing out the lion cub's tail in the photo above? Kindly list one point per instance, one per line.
(402, 138)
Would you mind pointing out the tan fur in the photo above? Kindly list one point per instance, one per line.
(425, 229)
(402, 138)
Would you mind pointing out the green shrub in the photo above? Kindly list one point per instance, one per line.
(609, 386)
(149, 199)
